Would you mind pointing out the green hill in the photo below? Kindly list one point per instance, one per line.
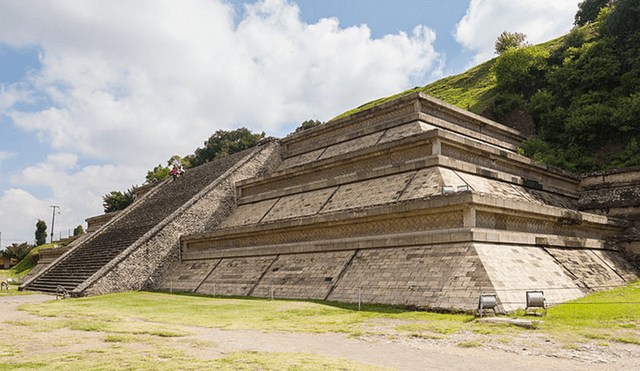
(576, 97)
(473, 90)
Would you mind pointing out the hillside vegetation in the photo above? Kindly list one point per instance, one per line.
(473, 90)
(580, 93)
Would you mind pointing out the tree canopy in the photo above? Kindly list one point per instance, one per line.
(116, 200)
(509, 40)
(588, 11)
(308, 125)
(223, 143)
(41, 232)
(77, 231)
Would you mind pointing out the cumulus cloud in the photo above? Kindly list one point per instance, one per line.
(135, 82)
(19, 212)
(540, 20)
(77, 190)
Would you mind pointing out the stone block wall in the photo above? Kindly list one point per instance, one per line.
(236, 276)
(303, 276)
(438, 276)
(613, 192)
(616, 193)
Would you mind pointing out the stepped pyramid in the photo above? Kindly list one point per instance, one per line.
(412, 202)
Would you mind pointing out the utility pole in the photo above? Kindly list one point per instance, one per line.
(53, 220)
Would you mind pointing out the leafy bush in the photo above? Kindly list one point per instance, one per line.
(77, 231)
(504, 103)
(116, 200)
(520, 71)
(158, 173)
(17, 251)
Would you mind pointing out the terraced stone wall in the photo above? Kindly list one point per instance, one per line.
(616, 193)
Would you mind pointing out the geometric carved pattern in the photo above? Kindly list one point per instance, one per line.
(522, 224)
(397, 223)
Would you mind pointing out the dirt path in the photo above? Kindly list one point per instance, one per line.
(400, 353)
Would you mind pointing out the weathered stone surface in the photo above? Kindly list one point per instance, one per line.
(368, 193)
(248, 213)
(303, 276)
(588, 268)
(514, 270)
(236, 276)
(188, 275)
(439, 276)
(299, 205)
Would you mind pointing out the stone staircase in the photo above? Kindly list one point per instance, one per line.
(84, 261)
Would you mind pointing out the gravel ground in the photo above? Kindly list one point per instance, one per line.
(403, 352)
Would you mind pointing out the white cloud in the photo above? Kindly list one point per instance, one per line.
(540, 20)
(77, 190)
(136, 82)
(19, 212)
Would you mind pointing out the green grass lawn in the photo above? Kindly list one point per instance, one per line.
(612, 315)
(133, 329)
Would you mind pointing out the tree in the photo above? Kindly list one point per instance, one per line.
(116, 200)
(509, 40)
(78, 230)
(624, 20)
(41, 232)
(223, 143)
(588, 11)
(158, 173)
(308, 125)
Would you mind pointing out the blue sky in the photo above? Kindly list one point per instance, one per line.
(94, 93)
